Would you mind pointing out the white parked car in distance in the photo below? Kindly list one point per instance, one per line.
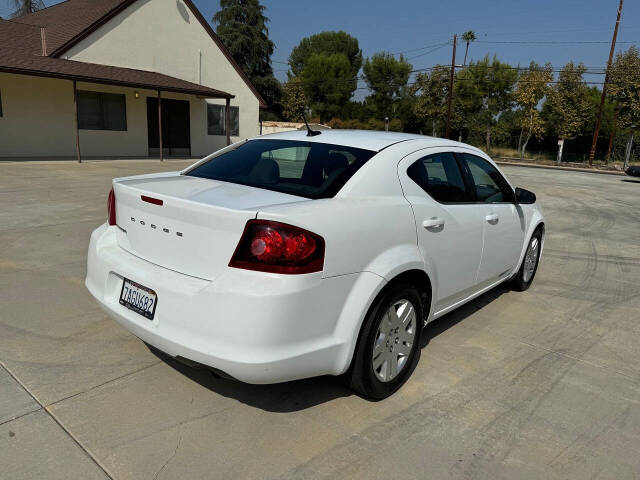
(290, 256)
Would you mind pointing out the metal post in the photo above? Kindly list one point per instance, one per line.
(386, 124)
(613, 134)
(227, 120)
(160, 126)
(592, 154)
(75, 106)
(453, 66)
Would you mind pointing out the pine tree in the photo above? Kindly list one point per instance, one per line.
(25, 7)
(242, 27)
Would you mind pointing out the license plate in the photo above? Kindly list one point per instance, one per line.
(138, 298)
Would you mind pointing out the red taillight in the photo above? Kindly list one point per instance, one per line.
(111, 207)
(277, 247)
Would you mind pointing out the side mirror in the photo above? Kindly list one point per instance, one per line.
(525, 197)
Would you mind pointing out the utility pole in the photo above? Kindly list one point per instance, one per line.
(592, 154)
(453, 67)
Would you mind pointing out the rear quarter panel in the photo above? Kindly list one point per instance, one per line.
(369, 225)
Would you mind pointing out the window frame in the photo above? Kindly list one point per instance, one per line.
(223, 117)
(506, 187)
(1, 111)
(469, 189)
(101, 95)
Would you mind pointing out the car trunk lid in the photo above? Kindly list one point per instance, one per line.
(187, 224)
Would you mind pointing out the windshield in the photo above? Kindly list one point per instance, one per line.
(306, 169)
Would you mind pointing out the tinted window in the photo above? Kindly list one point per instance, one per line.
(440, 176)
(307, 169)
(216, 119)
(101, 111)
(490, 186)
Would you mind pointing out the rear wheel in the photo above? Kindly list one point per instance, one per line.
(523, 279)
(388, 348)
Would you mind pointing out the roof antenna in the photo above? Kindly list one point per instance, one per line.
(310, 133)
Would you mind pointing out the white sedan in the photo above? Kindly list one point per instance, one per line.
(294, 255)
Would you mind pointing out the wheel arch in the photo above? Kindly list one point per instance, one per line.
(414, 276)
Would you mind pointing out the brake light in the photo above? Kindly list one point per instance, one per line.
(111, 207)
(276, 247)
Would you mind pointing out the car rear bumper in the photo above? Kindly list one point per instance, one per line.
(253, 326)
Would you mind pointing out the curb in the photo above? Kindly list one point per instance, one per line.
(554, 167)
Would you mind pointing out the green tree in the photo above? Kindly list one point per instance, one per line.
(386, 77)
(431, 90)
(624, 88)
(328, 84)
(294, 103)
(326, 43)
(569, 105)
(327, 65)
(532, 86)
(242, 27)
(468, 37)
(485, 92)
(25, 7)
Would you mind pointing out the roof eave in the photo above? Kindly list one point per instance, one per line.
(119, 83)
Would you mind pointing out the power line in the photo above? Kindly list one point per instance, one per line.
(430, 51)
(448, 42)
(552, 42)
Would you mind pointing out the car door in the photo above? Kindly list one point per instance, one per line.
(449, 224)
(503, 228)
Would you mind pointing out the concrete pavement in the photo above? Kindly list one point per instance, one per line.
(542, 384)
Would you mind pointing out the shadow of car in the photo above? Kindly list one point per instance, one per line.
(302, 394)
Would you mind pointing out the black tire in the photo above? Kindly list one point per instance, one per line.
(520, 283)
(361, 376)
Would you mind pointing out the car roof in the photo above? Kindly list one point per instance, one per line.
(365, 139)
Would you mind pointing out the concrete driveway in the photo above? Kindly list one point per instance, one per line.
(542, 384)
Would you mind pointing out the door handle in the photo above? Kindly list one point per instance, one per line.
(433, 222)
(492, 218)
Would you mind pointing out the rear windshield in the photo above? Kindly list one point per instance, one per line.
(306, 169)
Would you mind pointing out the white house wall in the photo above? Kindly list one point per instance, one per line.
(164, 36)
(38, 121)
(37, 118)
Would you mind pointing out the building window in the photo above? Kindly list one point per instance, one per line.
(216, 118)
(102, 111)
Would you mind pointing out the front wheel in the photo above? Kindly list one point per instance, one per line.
(389, 345)
(524, 278)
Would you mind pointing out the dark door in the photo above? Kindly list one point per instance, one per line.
(176, 130)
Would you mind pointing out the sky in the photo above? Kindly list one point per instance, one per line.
(516, 31)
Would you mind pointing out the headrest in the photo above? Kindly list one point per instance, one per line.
(265, 171)
(334, 161)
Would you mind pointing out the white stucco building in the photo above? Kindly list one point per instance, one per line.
(84, 77)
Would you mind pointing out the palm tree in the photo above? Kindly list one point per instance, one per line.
(25, 7)
(468, 36)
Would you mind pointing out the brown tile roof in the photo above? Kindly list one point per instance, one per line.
(67, 20)
(21, 53)
(72, 20)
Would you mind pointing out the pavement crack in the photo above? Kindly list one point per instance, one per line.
(73, 438)
(175, 451)
(105, 383)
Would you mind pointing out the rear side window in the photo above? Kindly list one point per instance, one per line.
(306, 169)
(490, 186)
(439, 175)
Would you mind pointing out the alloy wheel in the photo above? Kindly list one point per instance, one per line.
(531, 259)
(394, 340)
